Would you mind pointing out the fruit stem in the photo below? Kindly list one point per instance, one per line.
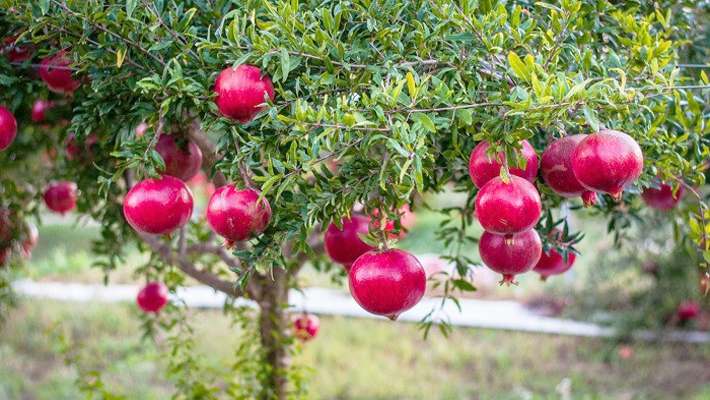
(393, 317)
(383, 230)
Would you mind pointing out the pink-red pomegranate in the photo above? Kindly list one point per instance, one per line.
(236, 215)
(344, 246)
(8, 128)
(553, 264)
(508, 208)
(387, 282)
(153, 297)
(510, 257)
(556, 167)
(240, 91)
(607, 161)
(141, 129)
(60, 197)
(56, 72)
(482, 170)
(182, 157)
(661, 198)
(38, 110)
(158, 206)
(16, 53)
(81, 152)
(687, 310)
(305, 326)
(30, 240)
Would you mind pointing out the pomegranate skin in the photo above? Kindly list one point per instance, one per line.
(31, 239)
(607, 161)
(508, 208)
(152, 297)
(553, 264)
(60, 197)
(240, 91)
(344, 245)
(15, 53)
(305, 326)
(8, 128)
(38, 109)
(510, 257)
(158, 206)
(387, 283)
(687, 310)
(661, 198)
(556, 167)
(182, 163)
(235, 215)
(58, 80)
(482, 171)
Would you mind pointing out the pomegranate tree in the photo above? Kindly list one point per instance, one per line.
(482, 169)
(158, 206)
(56, 71)
(8, 128)
(343, 245)
(662, 198)
(305, 326)
(241, 90)
(556, 167)
(510, 258)
(182, 158)
(508, 208)
(237, 214)
(153, 297)
(60, 197)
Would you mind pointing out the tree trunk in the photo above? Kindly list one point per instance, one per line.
(273, 322)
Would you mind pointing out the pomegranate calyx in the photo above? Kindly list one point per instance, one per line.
(589, 198)
(508, 280)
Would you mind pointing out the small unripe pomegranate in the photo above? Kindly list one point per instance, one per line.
(16, 53)
(305, 326)
(31, 239)
(388, 282)
(38, 109)
(141, 129)
(556, 167)
(182, 160)
(56, 72)
(687, 310)
(482, 170)
(344, 246)
(661, 198)
(553, 264)
(607, 161)
(508, 208)
(158, 206)
(153, 297)
(510, 257)
(235, 214)
(60, 197)
(240, 91)
(81, 152)
(8, 128)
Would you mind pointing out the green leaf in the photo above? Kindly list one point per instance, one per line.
(425, 121)
(130, 7)
(518, 66)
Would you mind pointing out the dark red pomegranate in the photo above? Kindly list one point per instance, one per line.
(235, 214)
(482, 170)
(182, 158)
(38, 109)
(508, 208)
(344, 245)
(56, 72)
(80, 151)
(30, 240)
(607, 161)
(556, 167)
(16, 53)
(661, 198)
(158, 206)
(60, 197)
(241, 90)
(687, 310)
(508, 257)
(305, 326)
(153, 297)
(8, 128)
(553, 264)
(388, 282)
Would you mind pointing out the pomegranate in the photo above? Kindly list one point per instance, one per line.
(241, 90)
(553, 264)
(8, 128)
(31, 239)
(199, 179)
(508, 208)
(607, 161)
(235, 214)
(556, 167)
(661, 198)
(16, 53)
(182, 158)
(56, 72)
(344, 246)
(141, 129)
(158, 206)
(387, 282)
(60, 197)
(153, 297)
(80, 152)
(38, 109)
(626, 352)
(482, 170)
(687, 310)
(305, 326)
(508, 257)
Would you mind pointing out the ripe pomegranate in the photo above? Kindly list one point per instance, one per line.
(556, 167)
(661, 198)
(16, 53)
(607, 161)
(60, 197)
(158, 206)
(482, 170)
(553, 264)
(31, 239)
(344, 245)
(687, 310)
(182, 158)
(240, 91)
(387, 282)
(8, 128)
(305, 326)
(56, 72)
(626, 352)
(508, 208)
(235, 215)
(153, 297)
(38, 109)
(80, 152)
(508, 257)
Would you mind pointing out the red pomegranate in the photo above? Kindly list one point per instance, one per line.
(81, 152)
(687, 310)
(241, 90)
(344, 245)
(60, 197)
(482, 170)
(182, 158)
(16, 53)
(556, 167)
(508, 208)
(661, 198)
(387, 282)
(158, 206)
(607, 161)
(38, 109)
(305, 326)
(153, 297)
(8, 128)
(30, 241)
(553, 264)
(56, 72)
(508, 257)
(199, 179)
(235, 214)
